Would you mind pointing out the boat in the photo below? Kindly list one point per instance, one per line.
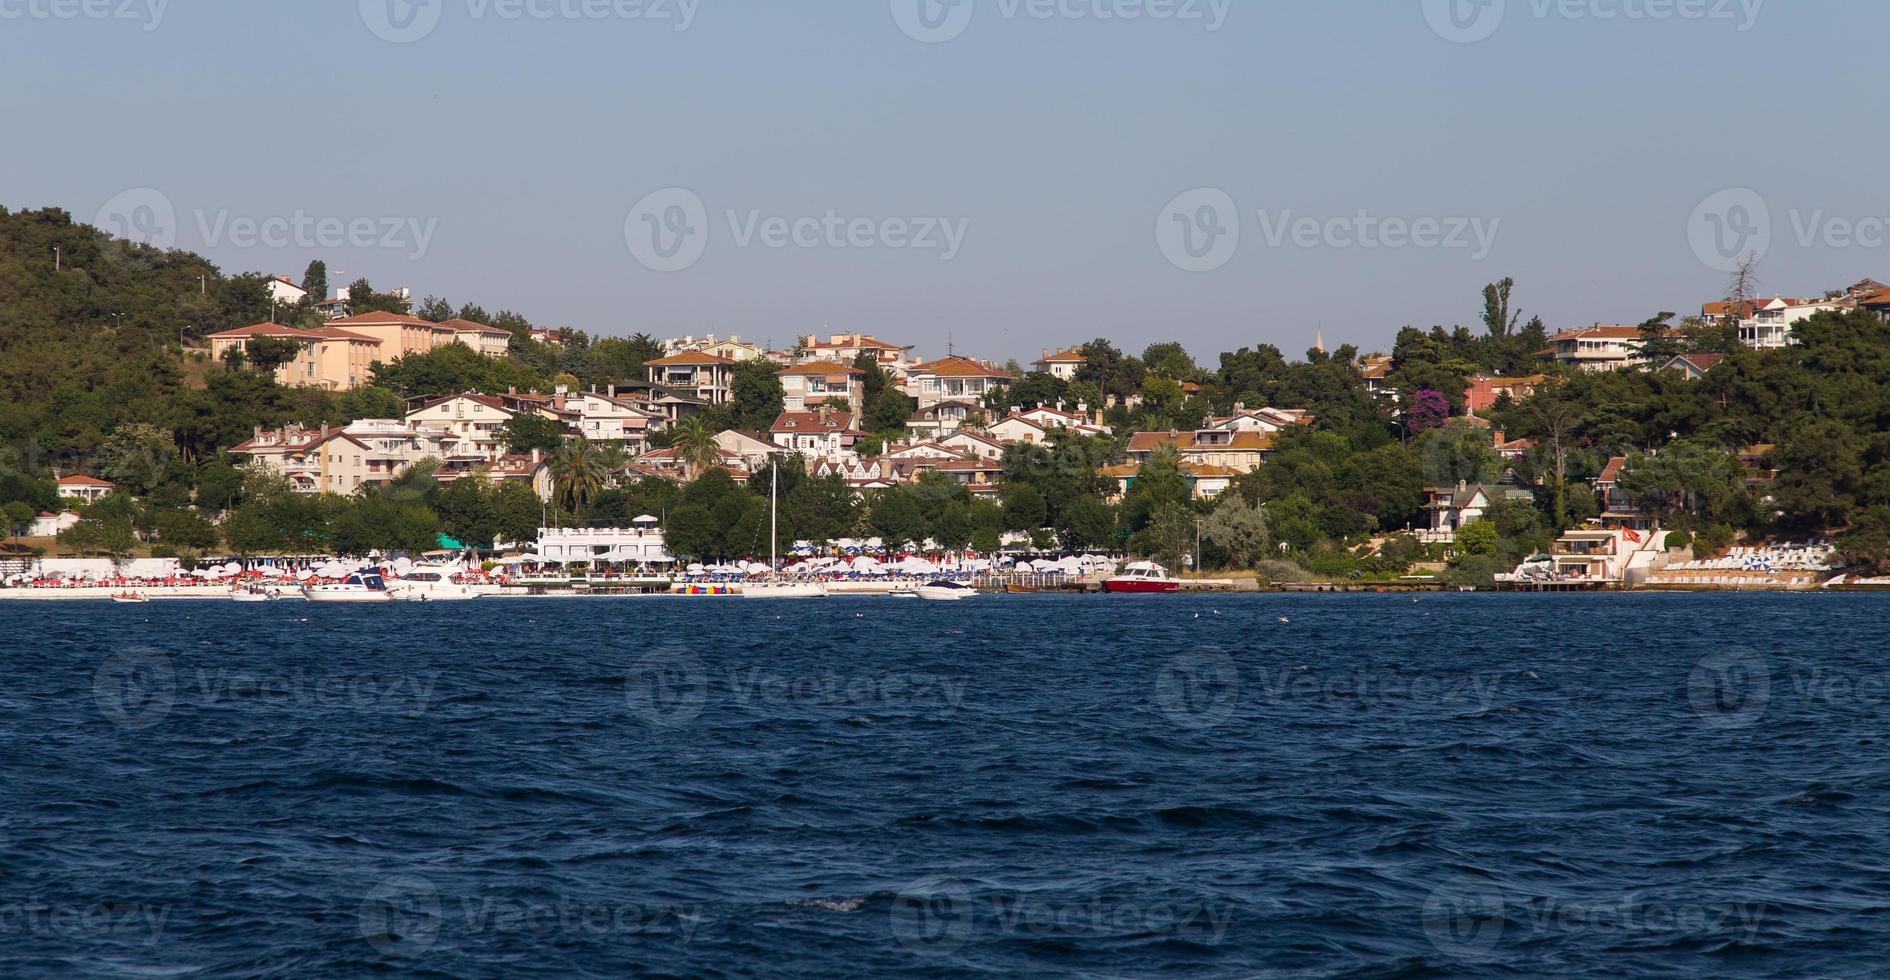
(774, 586)
(129, 597)
(1014, 589)
(1143, 577)
(252, 595)
(432, 583)
(362, 586)
(905, 591)
(943, 591)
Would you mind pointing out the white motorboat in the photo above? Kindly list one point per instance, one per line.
(775, 587)
(363, 586)
(433, 583)
(943, 591)
(252, 595)
(130, 597)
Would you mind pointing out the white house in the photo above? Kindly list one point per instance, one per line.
(1063, 364)
(640, 544)
(808, 387)
(954, 378)
(471, 422)
(1597, 348)
(609, 418)
(973, 444)
(86, 488)
(817, 435)
(283, 290)
(49, 525)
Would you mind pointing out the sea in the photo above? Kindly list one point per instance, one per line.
(1015, 786)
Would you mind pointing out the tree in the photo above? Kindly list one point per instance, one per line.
(1497, 318)
(819, 509)
(139, 457)
(467, 511)
(517, 513)
(1428, 410)
(315, 280)
(187, 530)
(695, 447)
(19, 516)
(269, 353)
(1478, 538)
(434, 310)
(896, 518)
(690, 531)
(525, 433)
(1239, 530)
(1169, 536)
(757, 393)
(1169, 360)
(1024, 507)
(578, 474)
(1087, 524)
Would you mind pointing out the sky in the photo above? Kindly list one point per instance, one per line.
(999, 176)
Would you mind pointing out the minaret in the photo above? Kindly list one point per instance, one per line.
(1319, 341)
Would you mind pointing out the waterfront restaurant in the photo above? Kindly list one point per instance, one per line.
(605, 549)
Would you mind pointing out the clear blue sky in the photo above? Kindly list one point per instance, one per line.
(1057, 141)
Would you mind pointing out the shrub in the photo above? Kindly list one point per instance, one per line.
(1677, 540)
(1280, 572)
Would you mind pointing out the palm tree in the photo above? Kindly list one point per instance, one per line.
(695, 447)
(578, 473)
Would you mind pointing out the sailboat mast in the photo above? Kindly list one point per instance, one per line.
(774, 515)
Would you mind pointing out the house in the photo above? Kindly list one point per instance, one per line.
(980, 476)
(1271, 421)
(471, 423)
(1769, 323)
(1614, 501)
(1450, 508)
(533, 471)
(1597, 348)
(1512, 450)
(819, 435)
(954, 378)
(923, 450)
(641, 544)
(702, 376)
(943, 419)
(971, 443)
(546, 336)
(1694, 366)
(1376, 372)
(1877, 302)
(1208, 480)
(283, 290)
(846, 348)
(398, 333)
(729, 348)
(1050, 418)
(1242, 452)
(89, 489)
(753, 449)
(809, 386)
(1756, 461)
(667, 464)
(605, 417)
(486, 339)
(1486, 390)
(48, 525)
(331, 357)
(310, 460)
(1063, 364)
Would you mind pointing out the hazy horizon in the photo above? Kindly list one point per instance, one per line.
(1013, 175)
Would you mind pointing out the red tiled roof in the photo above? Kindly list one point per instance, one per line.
(371, 319)
(814, 369)
(467, 326)
(960, 367)
(81, 480)
(1142, 442)
(690, 359)
(814, 422)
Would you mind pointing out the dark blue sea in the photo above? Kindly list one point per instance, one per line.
(1263, 786)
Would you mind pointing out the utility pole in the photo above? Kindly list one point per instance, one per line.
(55, 258)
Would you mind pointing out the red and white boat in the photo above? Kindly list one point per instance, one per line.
(1143, 576)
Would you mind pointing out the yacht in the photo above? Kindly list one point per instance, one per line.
(363, 586)
(433, 583)
(943, 591)
(1143, 576)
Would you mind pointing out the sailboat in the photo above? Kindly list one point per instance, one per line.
(774, 587)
